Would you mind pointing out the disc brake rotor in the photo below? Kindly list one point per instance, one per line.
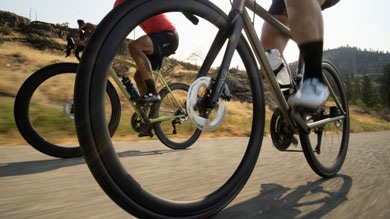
(68, 109)
(193, 95)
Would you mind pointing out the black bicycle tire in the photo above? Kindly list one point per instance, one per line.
(160, 134)
(96, 144)
(314, 163)
(22, 103)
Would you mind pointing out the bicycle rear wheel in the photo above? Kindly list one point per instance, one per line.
(326, 148)
(177, 133)
(147, 181)
(43, 110)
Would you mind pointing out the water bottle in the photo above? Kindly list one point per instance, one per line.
(133, 92)
(131, 89)
(279, 68)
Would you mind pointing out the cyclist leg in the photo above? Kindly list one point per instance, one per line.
(272, 38)
(151, 49)
(139, 49)
(305, 21)
(140, 83)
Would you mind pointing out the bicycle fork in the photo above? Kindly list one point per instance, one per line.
(220, 88)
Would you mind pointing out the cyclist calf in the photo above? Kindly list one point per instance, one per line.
(305, 20)
(148, 51)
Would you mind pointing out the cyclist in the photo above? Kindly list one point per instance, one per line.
(85, 32)
(148, 51)
(304, 17)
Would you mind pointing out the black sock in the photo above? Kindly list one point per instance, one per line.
(312, 56)
(150, 86)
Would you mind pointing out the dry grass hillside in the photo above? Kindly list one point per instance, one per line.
(19, 60)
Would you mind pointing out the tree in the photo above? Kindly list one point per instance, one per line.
(385, 88)
(356, 90)
(348, 86)
(367, 91)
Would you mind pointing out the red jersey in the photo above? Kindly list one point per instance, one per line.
(155, 24)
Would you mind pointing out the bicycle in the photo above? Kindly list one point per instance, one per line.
(125, 183)
(168, 117)
(43, 110)
(43, 115)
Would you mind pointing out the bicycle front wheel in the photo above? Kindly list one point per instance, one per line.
(177, 132)
(143, 178)
(326, 148)
(43, 110)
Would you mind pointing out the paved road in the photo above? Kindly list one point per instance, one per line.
(33, 185)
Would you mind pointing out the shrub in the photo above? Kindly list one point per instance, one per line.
(359, 103)
(5, 30)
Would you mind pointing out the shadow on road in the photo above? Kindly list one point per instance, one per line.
(312, 200)
(39, 166)
(133, 153)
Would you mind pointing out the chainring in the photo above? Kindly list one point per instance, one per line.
(138, 125)
(281, 135)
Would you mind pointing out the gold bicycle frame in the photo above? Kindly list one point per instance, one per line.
(241, 6)
(158, 79)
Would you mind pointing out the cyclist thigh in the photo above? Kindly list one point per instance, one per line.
(164, 44)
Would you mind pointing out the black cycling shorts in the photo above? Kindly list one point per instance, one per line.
(165, 44)
(278, 7)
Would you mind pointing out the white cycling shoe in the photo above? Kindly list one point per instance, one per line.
(311, 95)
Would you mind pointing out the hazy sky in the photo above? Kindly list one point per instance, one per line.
(364, 24)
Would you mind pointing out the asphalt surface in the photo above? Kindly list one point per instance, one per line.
(282, 185)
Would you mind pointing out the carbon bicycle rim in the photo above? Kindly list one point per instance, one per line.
(177, 133)
(153, 182)
(43, 110)
(326, 147)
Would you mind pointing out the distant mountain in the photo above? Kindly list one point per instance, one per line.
(352, 60)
